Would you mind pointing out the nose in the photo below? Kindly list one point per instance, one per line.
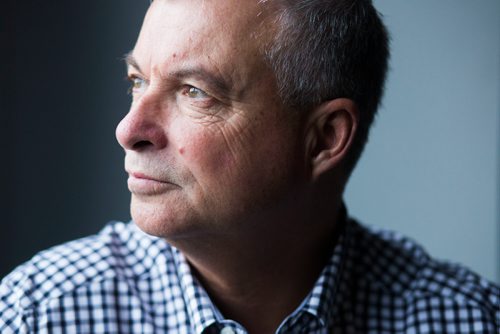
(142, 129)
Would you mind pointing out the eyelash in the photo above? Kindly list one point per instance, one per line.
(188, 89)
(205, 101)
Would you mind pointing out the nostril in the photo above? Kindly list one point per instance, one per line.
(141, 131)
(142, 144)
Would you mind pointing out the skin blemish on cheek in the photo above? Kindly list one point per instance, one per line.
(182, 150)
(174, 55)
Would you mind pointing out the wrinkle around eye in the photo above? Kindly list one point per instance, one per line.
(208, 115)
(204, 101)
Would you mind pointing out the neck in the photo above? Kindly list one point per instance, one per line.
(259, 276)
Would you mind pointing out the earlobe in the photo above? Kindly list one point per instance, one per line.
(330, 133)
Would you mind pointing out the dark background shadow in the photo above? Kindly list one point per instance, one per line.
(62, 95)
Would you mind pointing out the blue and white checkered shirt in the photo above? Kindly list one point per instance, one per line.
(124, 281)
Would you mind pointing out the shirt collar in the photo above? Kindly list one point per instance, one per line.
(201, 311)
(320, 302)
(323, 298)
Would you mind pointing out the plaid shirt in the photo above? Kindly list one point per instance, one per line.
(124, 281)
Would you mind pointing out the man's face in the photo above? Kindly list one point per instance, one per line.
(208, 143)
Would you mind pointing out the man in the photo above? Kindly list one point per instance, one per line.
(246, 121)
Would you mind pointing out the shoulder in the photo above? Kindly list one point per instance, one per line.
(432, 294)
(119, 252)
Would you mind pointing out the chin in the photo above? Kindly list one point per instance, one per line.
(162, 220)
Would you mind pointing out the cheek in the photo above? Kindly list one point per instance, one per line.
(204, 154)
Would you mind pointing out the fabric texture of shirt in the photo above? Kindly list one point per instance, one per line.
(124, 281)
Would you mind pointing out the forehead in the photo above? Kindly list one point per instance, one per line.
(214, 30)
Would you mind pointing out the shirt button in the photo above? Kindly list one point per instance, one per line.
(227, 330)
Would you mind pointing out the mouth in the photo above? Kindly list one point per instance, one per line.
(144, 185)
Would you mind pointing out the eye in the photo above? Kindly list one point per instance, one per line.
(196, 97)
(137, 84)
(196, 93)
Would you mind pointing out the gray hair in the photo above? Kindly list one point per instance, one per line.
(327, 49)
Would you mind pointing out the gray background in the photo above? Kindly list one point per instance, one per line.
(431, 169)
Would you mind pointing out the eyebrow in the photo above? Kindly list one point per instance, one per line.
(131, 61)
(214, 81)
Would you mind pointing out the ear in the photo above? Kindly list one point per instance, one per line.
(330, 133)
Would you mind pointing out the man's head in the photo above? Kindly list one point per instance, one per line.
(235, 111)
